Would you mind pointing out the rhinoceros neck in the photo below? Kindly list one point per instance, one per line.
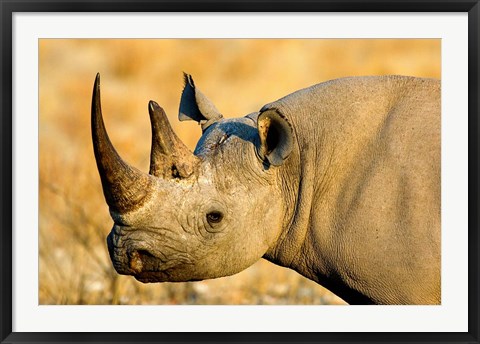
(337, 128)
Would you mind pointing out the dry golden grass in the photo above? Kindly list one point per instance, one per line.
(239, 76)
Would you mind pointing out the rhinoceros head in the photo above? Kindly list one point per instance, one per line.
(198, 215)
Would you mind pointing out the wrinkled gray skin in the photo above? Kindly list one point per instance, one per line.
(339, 182)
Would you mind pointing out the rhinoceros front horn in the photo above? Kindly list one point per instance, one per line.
(124, 186)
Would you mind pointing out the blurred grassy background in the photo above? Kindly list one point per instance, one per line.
(239, 76)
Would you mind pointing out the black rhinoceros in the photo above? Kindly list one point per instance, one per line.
(339, 182)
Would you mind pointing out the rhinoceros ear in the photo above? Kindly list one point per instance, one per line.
(195, 106)
(276, 137)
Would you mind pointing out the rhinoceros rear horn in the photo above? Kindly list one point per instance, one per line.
(124, 186)
(169, 157)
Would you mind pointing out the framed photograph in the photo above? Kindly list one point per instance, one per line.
(239, 172)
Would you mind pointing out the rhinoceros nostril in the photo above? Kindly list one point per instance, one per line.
(135, 261)
(145, 253)
(138, 259)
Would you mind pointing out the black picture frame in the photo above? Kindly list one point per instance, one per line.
(8, 7)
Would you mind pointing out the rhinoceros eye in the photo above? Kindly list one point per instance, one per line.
(214, 217)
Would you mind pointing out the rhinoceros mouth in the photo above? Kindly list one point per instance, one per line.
(146, 263)
(168, 275)
(141, 262)
(152, 277)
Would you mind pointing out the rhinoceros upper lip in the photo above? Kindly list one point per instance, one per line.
(142, 261)
(129, 257)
